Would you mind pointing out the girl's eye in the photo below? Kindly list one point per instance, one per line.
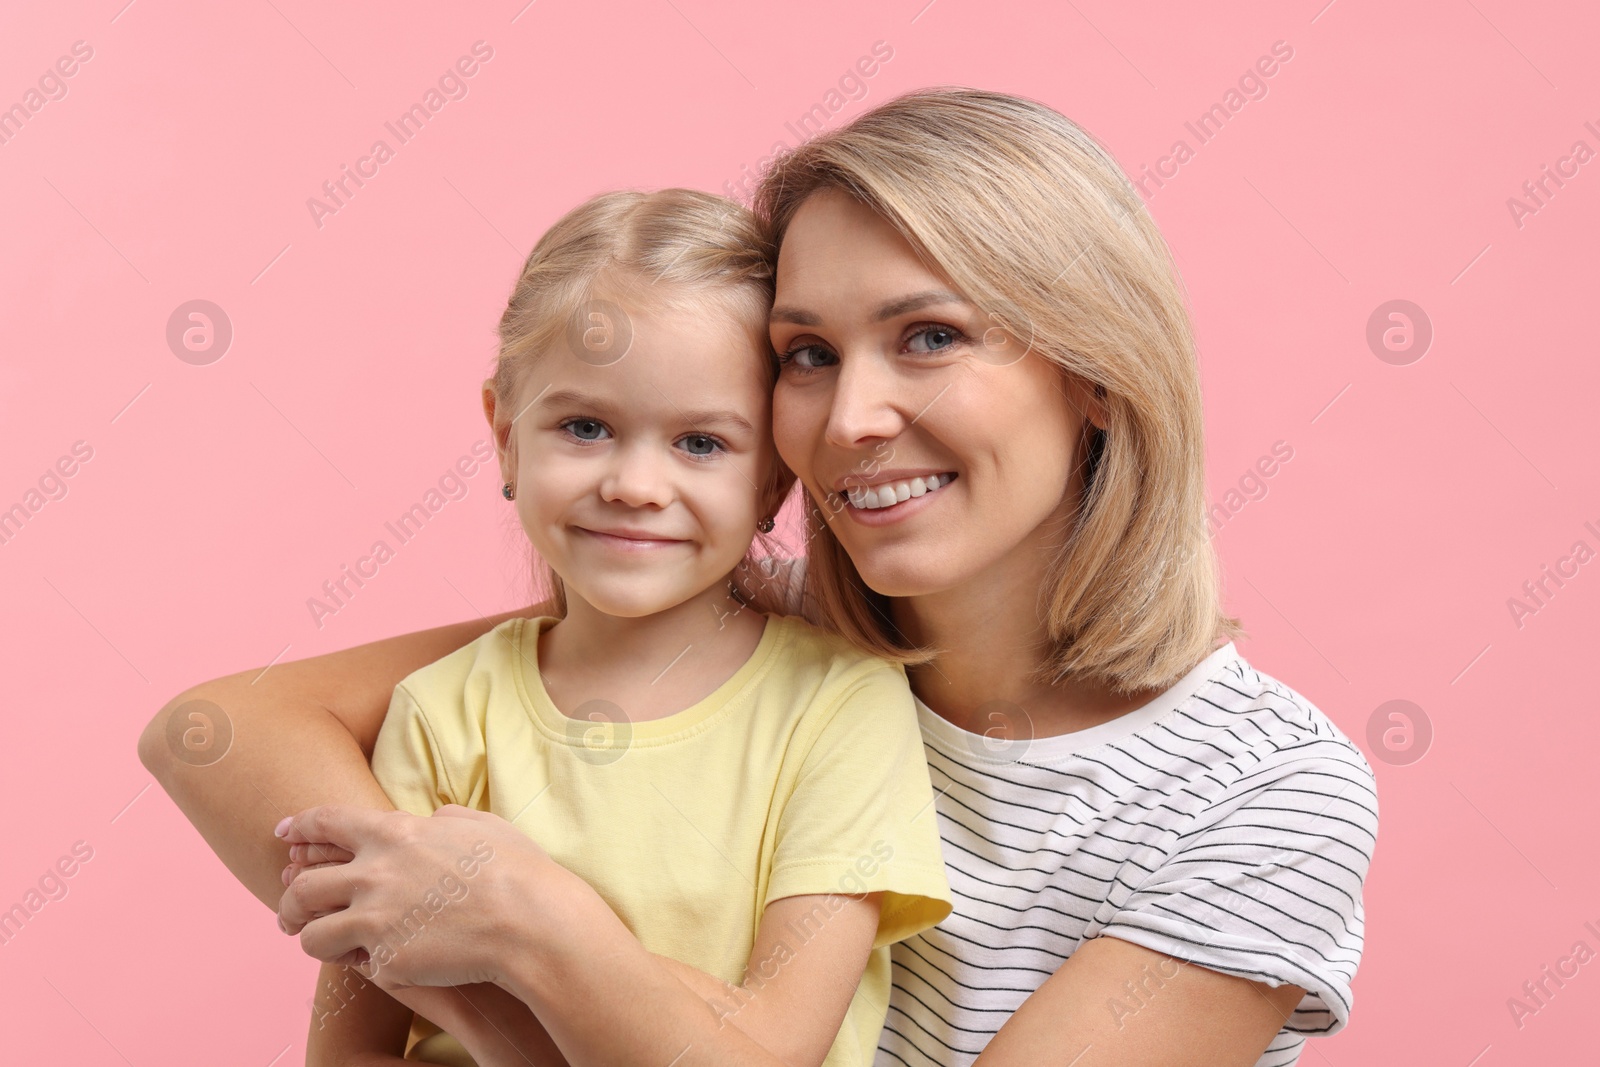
(700, 444)
(584, 429)
(804, 358)
(939, 338)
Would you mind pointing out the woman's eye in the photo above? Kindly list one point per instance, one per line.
(804, 357)
(699, 444)
(938, 338)
(584, 429)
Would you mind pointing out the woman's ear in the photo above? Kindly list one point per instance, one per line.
(1088, 399)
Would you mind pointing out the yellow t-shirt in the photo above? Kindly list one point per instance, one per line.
(803, 773)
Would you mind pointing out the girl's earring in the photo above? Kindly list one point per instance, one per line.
(765, 525)
(507, 492)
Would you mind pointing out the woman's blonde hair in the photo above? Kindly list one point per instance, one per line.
(672, 248)
(1034, 222)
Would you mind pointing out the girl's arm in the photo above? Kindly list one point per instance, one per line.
(545, 936)
(302, 733)
(354, 1023)
(796, 992)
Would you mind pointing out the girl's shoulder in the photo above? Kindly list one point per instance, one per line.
(493, 652)
(810, 645)
(772, 583)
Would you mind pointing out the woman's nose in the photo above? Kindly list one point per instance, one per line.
(866, 403)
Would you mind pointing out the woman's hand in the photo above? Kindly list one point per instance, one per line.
(421, 901)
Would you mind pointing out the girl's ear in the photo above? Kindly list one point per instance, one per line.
(778, 486)
(500, 431)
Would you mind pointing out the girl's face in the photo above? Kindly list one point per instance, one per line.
(894, 384)
(639, 480)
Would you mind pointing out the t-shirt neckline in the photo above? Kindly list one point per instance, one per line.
(968, 745)
(592, 733)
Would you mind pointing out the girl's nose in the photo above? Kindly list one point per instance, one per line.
(638, 477)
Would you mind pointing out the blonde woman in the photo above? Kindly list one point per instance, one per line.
(989, 396)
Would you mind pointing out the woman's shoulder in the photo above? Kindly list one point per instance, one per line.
(1278, 729)
(1284, 712)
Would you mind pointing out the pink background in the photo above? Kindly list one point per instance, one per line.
(219, 497)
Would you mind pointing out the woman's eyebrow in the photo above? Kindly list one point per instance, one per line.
(898, 306)
(914, 302)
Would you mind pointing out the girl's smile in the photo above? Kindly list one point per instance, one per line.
(628, 540)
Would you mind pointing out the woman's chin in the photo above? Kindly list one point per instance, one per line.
(899, 573)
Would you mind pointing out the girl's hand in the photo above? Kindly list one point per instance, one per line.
(421, 901)
(305, 856)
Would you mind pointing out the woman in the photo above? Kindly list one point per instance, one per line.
(967, 286)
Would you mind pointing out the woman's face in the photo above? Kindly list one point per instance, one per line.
(892, 383)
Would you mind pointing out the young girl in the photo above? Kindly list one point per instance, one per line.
(744, 790)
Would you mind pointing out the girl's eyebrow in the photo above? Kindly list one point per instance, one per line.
(898, 306)
(697, 419)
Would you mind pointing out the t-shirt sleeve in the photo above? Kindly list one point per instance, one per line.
(409, 760)
(860, 818)
(1269, 886)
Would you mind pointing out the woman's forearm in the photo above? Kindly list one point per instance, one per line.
(301, 735)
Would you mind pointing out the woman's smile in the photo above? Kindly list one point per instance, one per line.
(890, 499)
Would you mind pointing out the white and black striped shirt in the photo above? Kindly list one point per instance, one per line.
(1228, 823)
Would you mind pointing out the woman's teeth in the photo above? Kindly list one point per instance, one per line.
(891, 493)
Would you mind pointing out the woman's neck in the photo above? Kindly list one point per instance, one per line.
(992, 630)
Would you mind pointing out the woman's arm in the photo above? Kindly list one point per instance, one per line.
(1199, 1018)
(302, 732)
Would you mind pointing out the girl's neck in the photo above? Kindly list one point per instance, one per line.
(993, 634)
(650, 666)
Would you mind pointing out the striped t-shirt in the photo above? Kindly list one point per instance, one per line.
(1228, 823)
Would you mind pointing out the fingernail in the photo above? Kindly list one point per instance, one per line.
(281, 926)
(282, 827)
(286, 870)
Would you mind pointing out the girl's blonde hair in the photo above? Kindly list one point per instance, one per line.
(1034, 222)
(675, 248)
